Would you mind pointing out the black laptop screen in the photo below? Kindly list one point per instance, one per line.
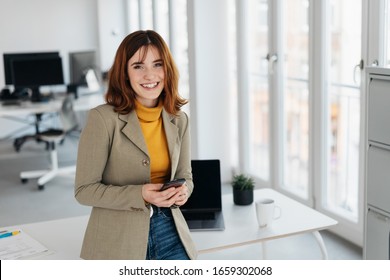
(206, 196)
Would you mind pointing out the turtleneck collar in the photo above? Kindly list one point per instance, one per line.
(148, 114)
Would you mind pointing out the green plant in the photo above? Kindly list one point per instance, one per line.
(243, 182)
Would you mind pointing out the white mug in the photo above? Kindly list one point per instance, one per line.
(265, 212)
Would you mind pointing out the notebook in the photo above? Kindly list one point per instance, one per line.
(203, 210)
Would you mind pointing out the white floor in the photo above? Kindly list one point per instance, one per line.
(24, 203)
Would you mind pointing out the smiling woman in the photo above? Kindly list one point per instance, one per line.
(128, 149)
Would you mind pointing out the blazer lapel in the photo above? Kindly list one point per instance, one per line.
(133, 131)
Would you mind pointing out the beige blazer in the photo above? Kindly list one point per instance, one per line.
(112, 165)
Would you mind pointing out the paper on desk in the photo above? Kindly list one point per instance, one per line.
(20, 246)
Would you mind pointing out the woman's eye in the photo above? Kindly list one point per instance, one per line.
(158, 64)
(137, 67)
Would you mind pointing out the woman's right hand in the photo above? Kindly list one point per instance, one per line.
(151, 193)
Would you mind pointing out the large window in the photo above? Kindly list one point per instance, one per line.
(343, 112)
(259, 90)
(304, 104)
(295, 98)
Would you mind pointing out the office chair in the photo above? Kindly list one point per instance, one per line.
(18, 142)
(54, 137)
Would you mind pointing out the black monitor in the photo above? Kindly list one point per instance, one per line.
(79, 64)
(33, 72)
(9, 57)
(206, 196)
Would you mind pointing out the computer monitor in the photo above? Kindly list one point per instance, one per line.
(79, 65)
(203, 210)
(31, 72)
(9, 57)
(206, 196)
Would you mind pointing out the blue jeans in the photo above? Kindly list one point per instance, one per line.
(164, 242)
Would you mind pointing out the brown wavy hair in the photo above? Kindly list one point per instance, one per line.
(121, 95)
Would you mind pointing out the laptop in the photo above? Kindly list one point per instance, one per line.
(203, 210)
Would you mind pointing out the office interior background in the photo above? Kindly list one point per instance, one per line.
(276, 88)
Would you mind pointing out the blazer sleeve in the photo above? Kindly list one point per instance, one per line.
(93, 151)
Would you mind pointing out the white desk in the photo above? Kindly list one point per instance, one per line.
(241, 226)
(64, 236)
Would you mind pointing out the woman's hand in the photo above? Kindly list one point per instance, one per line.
(183, 197)
(151, 193)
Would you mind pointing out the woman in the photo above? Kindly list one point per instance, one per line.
(128, 149)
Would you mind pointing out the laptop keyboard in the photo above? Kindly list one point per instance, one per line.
(199, 216)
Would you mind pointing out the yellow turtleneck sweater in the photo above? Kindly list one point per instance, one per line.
(152, 127)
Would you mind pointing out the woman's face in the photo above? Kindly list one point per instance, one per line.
(146, 77)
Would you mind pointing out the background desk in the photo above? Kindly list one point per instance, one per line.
(83, 103)
(18, 113)
(65, 236)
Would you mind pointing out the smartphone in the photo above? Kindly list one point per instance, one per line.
(175, 183)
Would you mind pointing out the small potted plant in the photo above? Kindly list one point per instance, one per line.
(243, 186)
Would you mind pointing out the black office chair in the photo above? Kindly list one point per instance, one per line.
(18, 142)
(53, 137)
(19, 95)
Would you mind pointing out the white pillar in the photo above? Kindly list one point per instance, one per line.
(209, 82)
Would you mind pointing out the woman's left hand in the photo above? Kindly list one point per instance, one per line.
(183, 197)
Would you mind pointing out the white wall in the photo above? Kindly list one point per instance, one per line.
(47, 25)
